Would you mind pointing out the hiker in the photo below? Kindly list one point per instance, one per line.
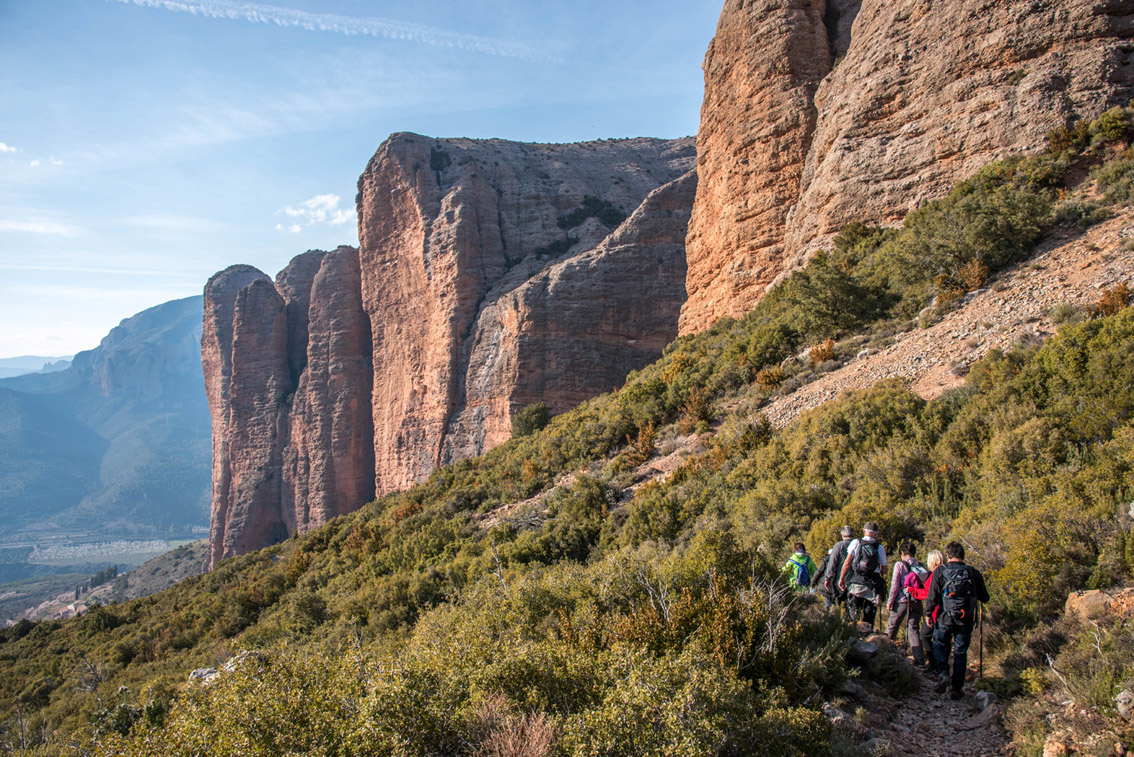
(817, 579)
(908, 587)
(861, 574)
(800, 568)
(835, 595)
(933, 561)
(954, 592)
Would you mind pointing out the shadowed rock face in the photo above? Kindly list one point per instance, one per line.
(465, 247)
(491, 275)
(288, 381)
(818, 113)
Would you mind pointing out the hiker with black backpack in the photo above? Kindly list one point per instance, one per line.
(954, 593)
(908, 587)
(800, 568)
(838, 555)
(861, 574)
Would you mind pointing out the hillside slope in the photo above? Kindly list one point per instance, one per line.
(556, 592)
(116, 444)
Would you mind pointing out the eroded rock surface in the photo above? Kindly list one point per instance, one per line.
(486, 290)
(817, 114)
(288, 428)
(491, 275)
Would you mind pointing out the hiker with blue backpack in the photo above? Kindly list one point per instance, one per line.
(800, 568)
(909, 585)
(954, 595)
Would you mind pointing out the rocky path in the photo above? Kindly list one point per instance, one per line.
(920, 724)
(928, 724)
(1069, 268)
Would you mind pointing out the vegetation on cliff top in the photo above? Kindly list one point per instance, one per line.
(592, 617)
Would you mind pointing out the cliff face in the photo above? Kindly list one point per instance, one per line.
(467, 246)
(288, 389)
(818, 113)
(491, 275)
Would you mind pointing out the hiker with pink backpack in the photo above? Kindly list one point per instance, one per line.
(909, 586)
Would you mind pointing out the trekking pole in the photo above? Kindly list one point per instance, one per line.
(980, 620)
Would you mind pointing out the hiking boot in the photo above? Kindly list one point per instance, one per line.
(942, 685)
(955, 695)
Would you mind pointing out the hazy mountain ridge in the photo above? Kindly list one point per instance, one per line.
(117, 442)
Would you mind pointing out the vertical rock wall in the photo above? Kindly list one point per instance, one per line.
(288, 384)
(449, 228)
(819, 113)
(491, 275)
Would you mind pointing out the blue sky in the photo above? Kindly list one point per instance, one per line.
(146, 144)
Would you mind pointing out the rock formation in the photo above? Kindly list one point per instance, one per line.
(491, 275)
(478, 295)
(289, 391)
(818, 113)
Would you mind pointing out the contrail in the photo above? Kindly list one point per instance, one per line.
(330, 22)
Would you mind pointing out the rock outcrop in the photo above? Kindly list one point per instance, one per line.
(818, 113)
(289, 391)
(476, 257)
(490, 275)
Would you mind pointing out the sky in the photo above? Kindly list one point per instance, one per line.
(147, 144)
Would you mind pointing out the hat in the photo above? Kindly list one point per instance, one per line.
(870, 527)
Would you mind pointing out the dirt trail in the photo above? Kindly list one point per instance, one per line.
(1069, 268)
(928, 724)
(922, 723)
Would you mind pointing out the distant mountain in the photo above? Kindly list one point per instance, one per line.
(18, 366)
(119, 442)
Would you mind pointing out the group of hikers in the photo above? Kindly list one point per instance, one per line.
(938, 602)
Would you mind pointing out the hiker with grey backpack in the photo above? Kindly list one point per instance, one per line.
(955, 593)
(861, 574)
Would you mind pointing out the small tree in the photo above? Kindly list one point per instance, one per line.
(531, 419)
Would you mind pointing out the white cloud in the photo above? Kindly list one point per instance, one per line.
(56, 162)
(34, 164)
(330, 22)
(35, 227)
(294, 228)
(319, 209)
(7, 148)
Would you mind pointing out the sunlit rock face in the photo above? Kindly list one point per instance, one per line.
(818, 113)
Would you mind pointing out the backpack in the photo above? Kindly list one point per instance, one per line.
(958, 596)
(916, 583)
(867, 559)
(802, 573)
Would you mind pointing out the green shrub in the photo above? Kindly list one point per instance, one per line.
(532, 418)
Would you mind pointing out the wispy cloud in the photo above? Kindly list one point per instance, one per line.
(7, 148)
(319, 209)
(36, 227)
(330, 22)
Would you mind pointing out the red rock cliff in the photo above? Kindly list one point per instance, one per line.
(288, 381)
(820, 112)
(459, 238)
(491, 275)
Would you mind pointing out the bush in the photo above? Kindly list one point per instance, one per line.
(531, 419)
